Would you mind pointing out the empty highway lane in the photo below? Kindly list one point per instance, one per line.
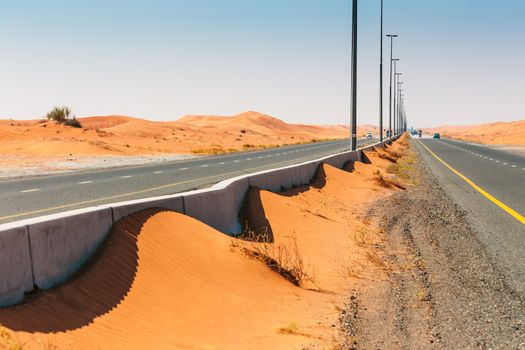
(26, 198)
(489, 184)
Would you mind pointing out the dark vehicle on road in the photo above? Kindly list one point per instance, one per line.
(436, 135)
(419, 133)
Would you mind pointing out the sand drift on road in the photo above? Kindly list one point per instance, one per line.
(165, 280)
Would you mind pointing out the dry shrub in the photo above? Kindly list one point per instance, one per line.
(406, 169)
(282, 258)
(292, 328)
(384, 155)
(385, 182)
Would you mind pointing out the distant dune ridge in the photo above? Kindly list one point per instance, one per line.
(500, 133)
(123, 135)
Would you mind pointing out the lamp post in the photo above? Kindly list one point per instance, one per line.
(381, 77)
(394, 105)
(354, 75)
(396, 77)
(402, 111)
(398, 109)
(391, 36)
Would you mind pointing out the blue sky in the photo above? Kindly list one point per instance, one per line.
(462, 60)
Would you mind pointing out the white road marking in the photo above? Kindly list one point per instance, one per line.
(158, 172)
(259, 157)
(125, 177)
(236, 161)
(85, 182)
(505, 163)
(221, 163)
(204, 165)
(514, 166)
(491, 159)
(183, 169)
(248, 159)
(31, 190)
(497, 161)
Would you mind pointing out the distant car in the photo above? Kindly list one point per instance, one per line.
(420, 133)
(436, 135)
(368, 135)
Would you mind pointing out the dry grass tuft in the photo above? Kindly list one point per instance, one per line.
(283, 258)
(384, 155)
(291, 328)
(406, 169)
(214, 150)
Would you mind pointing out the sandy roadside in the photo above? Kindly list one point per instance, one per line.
(442, 292)
(24, 165)
(164, 280)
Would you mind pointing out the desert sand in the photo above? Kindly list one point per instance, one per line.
(164, 280)
(40, 146)
(501, 133)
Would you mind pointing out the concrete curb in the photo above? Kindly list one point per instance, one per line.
(60, 244)
(45, 251)
(15, 265)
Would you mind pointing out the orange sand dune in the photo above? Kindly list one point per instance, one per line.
(123, 135)
(163, 280)
(502, 133)
(40, 145)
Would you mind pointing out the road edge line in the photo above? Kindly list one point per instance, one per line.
(487, 195)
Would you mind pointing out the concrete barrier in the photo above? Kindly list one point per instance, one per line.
(62, 243)
(122, 209)
(15, 264)
(45, 251)
(219, 206)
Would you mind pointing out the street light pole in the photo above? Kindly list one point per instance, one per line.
(394, 105)
(354, 75)
(381, 77)
(398, 109)
(391, 36)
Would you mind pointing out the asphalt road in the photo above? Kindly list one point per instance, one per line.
(31, 197)
(500, 175)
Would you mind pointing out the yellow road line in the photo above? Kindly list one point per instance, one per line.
(487, 195)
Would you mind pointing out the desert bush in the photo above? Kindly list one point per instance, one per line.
(386, 182)
(385, 156)
(62, 115)
(284, 259)
(291, 328)
(73, 122)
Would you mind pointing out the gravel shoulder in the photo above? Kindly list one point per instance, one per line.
(443, 290)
